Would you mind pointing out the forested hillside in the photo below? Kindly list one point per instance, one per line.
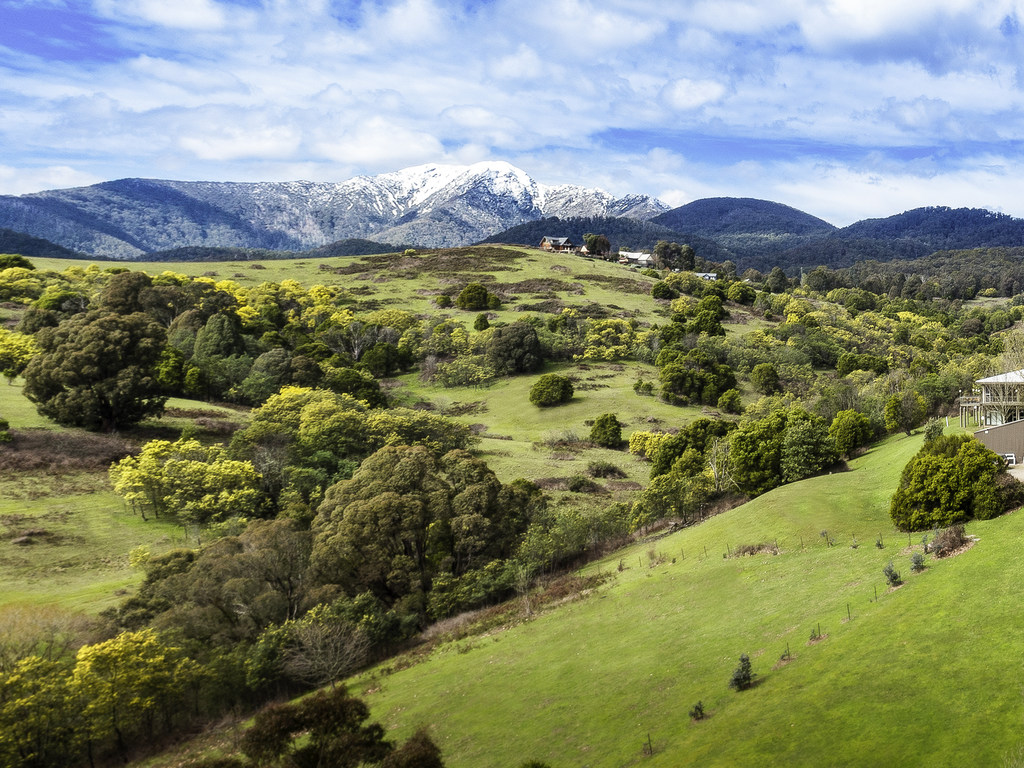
(336, 457)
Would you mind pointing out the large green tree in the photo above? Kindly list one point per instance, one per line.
(904, 411)
(514, 349)
(97, 370)
(952, 479)
(194, 482)
(407, 516)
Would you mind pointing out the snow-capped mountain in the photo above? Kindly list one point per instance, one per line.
(430, 205)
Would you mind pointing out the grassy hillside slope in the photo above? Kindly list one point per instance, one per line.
(928, 674)
(65, 536)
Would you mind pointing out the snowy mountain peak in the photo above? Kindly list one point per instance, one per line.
(429, 205)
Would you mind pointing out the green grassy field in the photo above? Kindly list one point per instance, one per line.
(516, 440)
(928, 674)
(376, 282)
(65, 536)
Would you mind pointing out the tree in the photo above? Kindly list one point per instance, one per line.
(806, 448)
(40, 715)
(122, 292)
(407, 516)
(730, 401)
(765, 378)
(196, 483)
(596, 244)
(741, 293)
(418, 752)
(743, 676)
(16, 350)
(335, 728)
(905, 411)
(695, 376)
(664, 291)
(950, 480)
(607, 431)
(674, 495)
(321, 647)
(776, 282)
(473, 297)
(9, 260)
(126, 681)
(551, 389)
(849, 431)
(697, 436)
(673, 255)
(756, 449)
(514, 349)
(97, 370)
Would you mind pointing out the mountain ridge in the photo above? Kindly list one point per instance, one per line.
(431, 205)
(436, 205)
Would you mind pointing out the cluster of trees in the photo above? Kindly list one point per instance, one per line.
(63, 710)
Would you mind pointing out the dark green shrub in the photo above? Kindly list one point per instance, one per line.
(582, 484)
(952, 479)
(551, 389)
(730, 401)
(481, 323)
(443, 301)
(917, 562)
(743, 676)
(697, 713)
(514, 348)
(607, 431)
(473, 297)
(662, 290)
(604, 469)
(892, 576)
(642, 387)
(765, 378)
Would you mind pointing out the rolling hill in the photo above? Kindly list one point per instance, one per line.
(589, 682)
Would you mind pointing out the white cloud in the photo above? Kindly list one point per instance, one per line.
(410, 22)
(380, 145)
(20, 181)
(179, 14)
(524, 64)
(684, 94)
(230, 142)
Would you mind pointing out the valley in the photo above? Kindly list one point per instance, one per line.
(583, 597)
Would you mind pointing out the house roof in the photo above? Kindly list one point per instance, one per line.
(556, 240)
(1011, 377)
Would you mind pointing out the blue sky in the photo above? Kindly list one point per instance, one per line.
(846, 109)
